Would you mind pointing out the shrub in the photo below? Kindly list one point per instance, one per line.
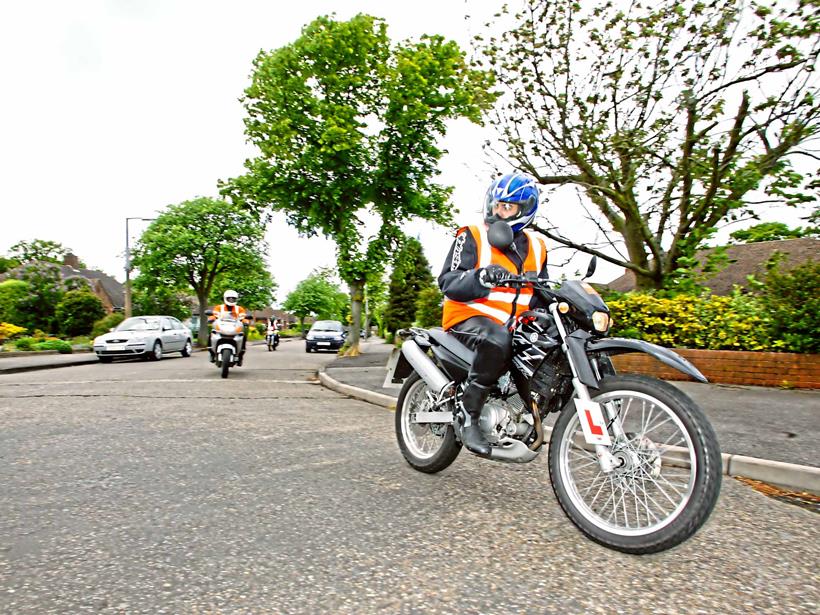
(25, 343)
(106, 323)
(707, 321)
(792, 302)
(78, 311)
(8, 331)
(261, 328)
(61, 346)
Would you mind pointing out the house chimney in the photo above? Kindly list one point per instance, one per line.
(71, 260)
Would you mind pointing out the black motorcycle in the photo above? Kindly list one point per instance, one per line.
(633, 461)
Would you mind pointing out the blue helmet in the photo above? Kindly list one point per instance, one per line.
(516, 188)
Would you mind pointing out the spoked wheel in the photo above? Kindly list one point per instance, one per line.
(226, 361)
(428, 447)
(669, 472)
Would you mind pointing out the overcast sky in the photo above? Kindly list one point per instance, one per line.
(117, 108)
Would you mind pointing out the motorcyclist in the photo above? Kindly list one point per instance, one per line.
(476, 310)
(273, 329)
(229, 305)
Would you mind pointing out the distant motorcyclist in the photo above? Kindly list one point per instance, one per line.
(230, 305)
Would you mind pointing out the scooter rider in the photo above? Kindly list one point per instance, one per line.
(230, 305)
(478, 312)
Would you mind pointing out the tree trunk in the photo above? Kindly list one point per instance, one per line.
(356, 297)
(202, 334)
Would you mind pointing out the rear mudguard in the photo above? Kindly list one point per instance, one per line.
(621, 345)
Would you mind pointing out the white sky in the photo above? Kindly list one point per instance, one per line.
(117, 108)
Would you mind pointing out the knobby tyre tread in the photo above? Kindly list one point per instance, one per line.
(707, 481)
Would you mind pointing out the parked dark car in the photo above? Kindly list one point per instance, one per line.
(325, 335)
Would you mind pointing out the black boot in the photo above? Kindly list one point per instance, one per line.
(472, 401)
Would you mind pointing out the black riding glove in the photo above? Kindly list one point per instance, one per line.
(491, 275)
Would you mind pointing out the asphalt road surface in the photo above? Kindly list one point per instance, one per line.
(158, 487)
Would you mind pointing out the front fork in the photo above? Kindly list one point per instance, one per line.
(606, 460)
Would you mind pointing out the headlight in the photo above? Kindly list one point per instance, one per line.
(600, 320)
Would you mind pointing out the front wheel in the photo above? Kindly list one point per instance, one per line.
(427, 447)
(226, 361)
(187, 349)
(156, 353)
(669, 467)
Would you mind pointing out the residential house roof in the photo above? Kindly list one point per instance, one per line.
(743, 260)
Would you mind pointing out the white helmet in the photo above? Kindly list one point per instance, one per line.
(230, 297)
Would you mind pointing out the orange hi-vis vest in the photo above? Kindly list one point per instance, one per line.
(237, 310)
(498, 305)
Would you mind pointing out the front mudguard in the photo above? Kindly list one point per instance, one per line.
(621, 345)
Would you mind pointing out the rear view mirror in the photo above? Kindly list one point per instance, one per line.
(592, 265)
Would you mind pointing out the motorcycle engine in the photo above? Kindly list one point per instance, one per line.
(504, 418)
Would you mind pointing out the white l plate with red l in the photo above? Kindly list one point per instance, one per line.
(592, 422)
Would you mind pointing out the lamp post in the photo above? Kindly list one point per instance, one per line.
(128, 267)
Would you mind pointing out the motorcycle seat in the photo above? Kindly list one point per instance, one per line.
(442, 338)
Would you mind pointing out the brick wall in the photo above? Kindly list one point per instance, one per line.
(733, 367)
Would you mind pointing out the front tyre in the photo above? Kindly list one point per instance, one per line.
(427, 447)
(187, 349)
(156, 352)
(669, 475)
(226, 361)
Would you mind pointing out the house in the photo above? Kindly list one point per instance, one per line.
(743, 260)
(110, 292)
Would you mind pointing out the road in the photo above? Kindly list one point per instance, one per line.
(158, 487)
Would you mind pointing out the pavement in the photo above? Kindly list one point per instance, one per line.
(766, 434)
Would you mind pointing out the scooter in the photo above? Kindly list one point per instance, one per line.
(227, 341)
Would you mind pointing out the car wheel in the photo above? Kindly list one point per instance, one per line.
(156, 353)
(307, 348)
(187, 349)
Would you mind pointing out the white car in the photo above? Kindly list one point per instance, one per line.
(145, 337)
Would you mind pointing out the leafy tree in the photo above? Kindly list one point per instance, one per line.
(45, 291)
(78, 311)
(429, 307)
(191, 244)
(38, 250)
(666, 118)
(375, 293)
(347, 127)
(316, 296)
(256, 286)
(771, 231)
(12, 295)
(411, 275)
(152, 298)
(8, 263)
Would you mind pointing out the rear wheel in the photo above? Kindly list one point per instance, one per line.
(669, 473)
(226, 361)
(428, 447)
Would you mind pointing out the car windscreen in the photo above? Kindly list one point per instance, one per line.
(329, 325)
(139, 324)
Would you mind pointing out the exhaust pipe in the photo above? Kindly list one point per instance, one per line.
(424, 366)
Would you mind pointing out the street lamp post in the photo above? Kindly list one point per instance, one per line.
(128, 267)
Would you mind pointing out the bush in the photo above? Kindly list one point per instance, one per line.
(8, 331)
(78, 311)
(25, 343)
(708, 321)
(261, 328)
(102, 326)
(792, 301)
(61, 346)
